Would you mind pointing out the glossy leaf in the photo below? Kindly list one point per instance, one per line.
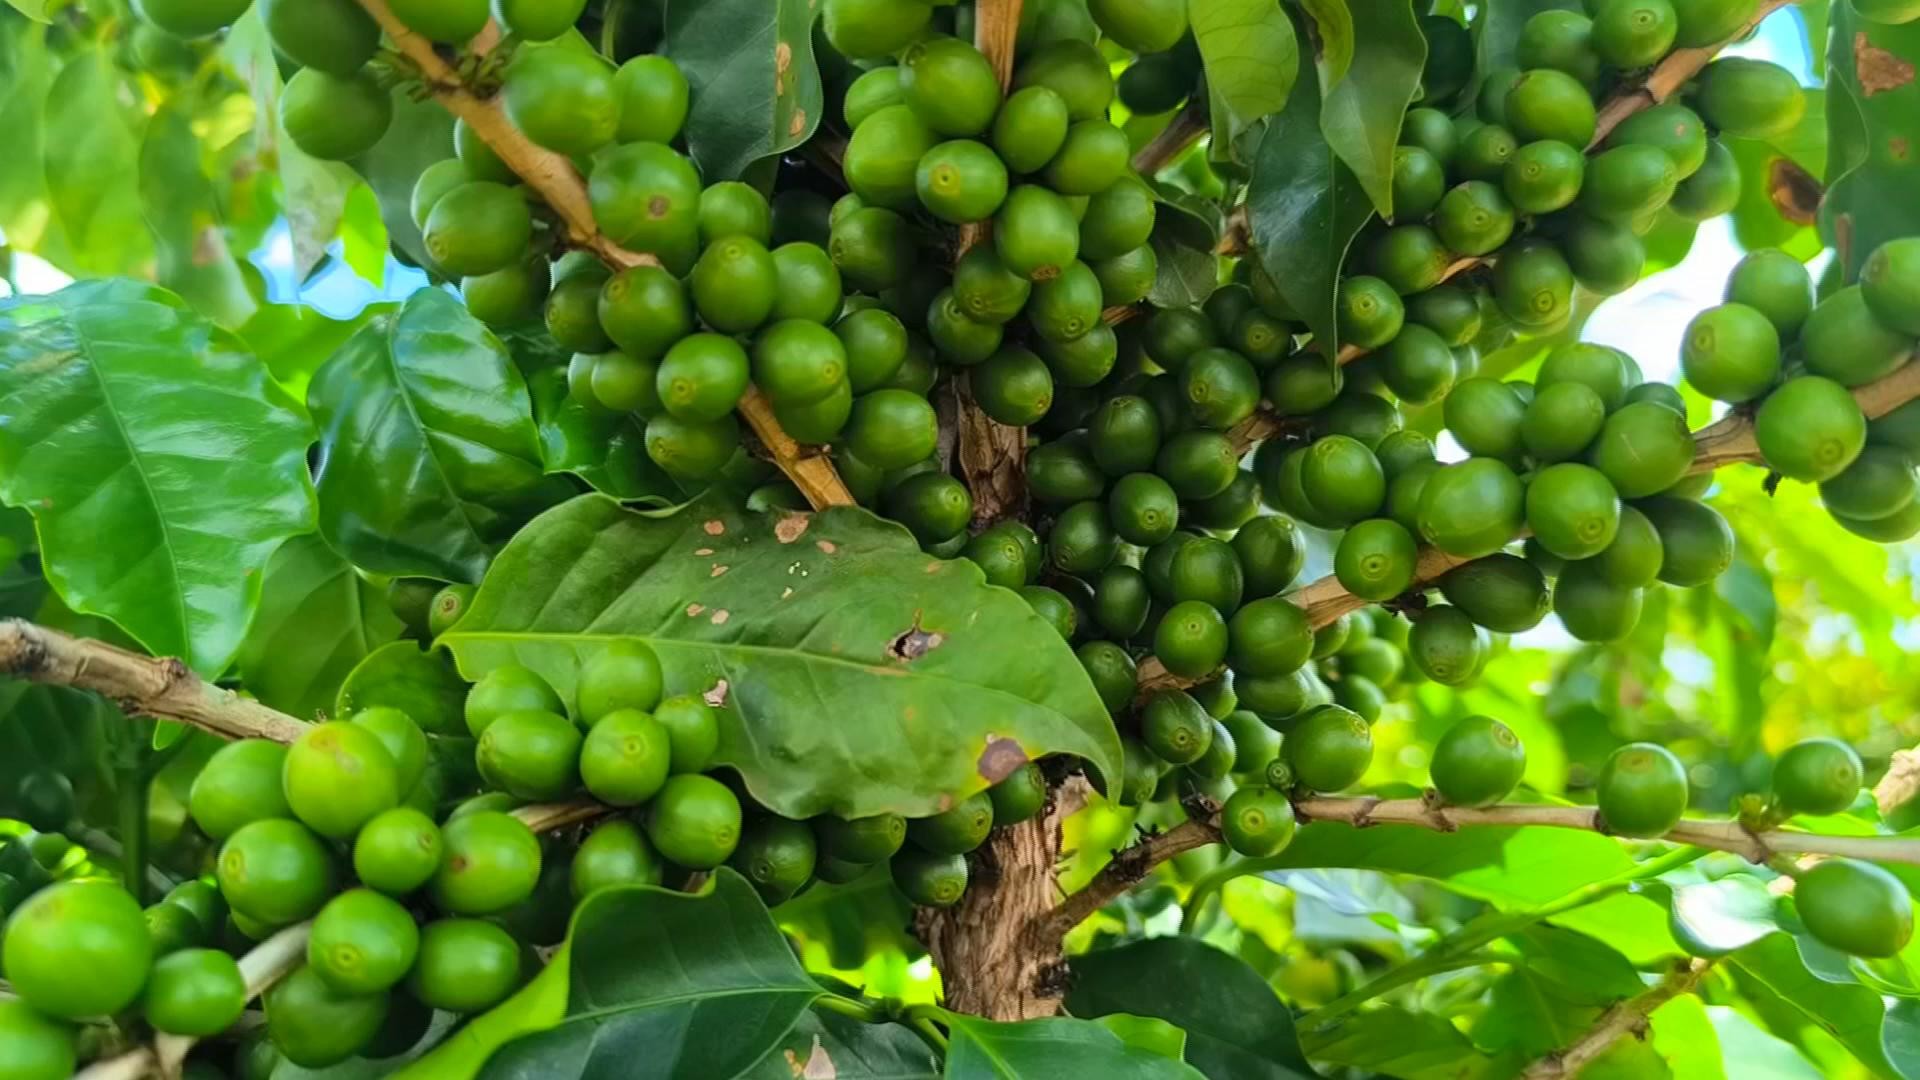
(363, 235)
(182, 209)
(1813, 982)
(825, 1043)
(1872, 127)
(161, 464)
(937, 684)
(1237, 1029)
(419, 682)
(1147, 1033)
(1304, 207)
(92, 165)
(427, 442)
(1051, 1049)
(756, 88)
(1251, 57)
(1713, 918)
(318, 619)
(607, 450)
(1361, 106)
(664, 984)
(421, 133)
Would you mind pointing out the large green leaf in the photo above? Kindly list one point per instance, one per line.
(1252, 58)
(1051, 1049)
(1393, 1041)
(421, 133)
(419, 682)
(162, 466)
(829, 1044)
(318, 619)
(294, 340)
(183, 211)
(1874, 123)
(1304, 208)
(1813, 981)
(1237, 1028)
(1553, 993)
(427, 442)
(856, 673)
(1361, 106)
(756, 88)
(27, 68)
(667, 985)
(608, 450)
(93, 167)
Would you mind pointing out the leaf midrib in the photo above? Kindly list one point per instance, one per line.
(811, 993)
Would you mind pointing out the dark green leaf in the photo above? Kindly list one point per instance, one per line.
(1185, 274)
(318, 619)
(32, 9)
(54, 729)
(183, 210)
(421, 133)
(756, 89)
(1362, 105)
(664, 984)
(1304, 208)
(1237, 1028)
(162, 465)
(419, 682)
(607, 450)
(427, 442)
(1549, 998)
(1393, 1041)
(829, 1044)
(937, 684)
(1053, 1049)
(1873, 126)
(1252, 58)
(93, 166)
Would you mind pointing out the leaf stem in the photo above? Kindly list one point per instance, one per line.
(868, 1012)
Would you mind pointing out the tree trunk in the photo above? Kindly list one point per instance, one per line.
(997, 955)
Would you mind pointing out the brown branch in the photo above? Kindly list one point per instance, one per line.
(1128, 868)
(560, 185)
(993, 456)
(1900, 784)
(1181, 132)
(279, 956)
(140, 685)
(1623, 1018)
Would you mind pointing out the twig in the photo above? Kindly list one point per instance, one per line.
(559, 184)
(1727, 441)
(1901, 783)
(1181, 132)
(139, 685)
(278, 956)
(1365, 812)
(993, 456)
(1627, 1017)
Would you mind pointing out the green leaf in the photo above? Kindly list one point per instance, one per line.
(825, 1043)
(1873, 126)
(1393, 1041)
(1332, 37)
(1551, 997)
(427, 442)
(363, 236)
(295, 340)
(664, 984)
(607, 450)
(1815, 983)
(161, 464)
(756, 88)
(535, 1007)
(421, 133)
(1051, 1049)
(1362, 105)
(1147, 1033)
(419, 682)
(1304, 207)
(1185, 273)
(1251, 56)
(1714, 918)
(183, 211)
(1752, 1054)
(318, 620)
(937, 685)
(93, 166)
(27, 69)
(32, 9)
(1237, 1028)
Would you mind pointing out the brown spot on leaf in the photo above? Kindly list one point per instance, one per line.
(715, 527)
(716, 695)
(934, 567)
(703, 551)
(818, 1066)
(798, 125)
(826, 546)
(914, 642)
(782, 57)
(791, 528)
(1879, 70)
(1793, 191)
(695, 609)
(1898, 148)
(718, 569)
(721, 616)
(786, 592)
(999, 760)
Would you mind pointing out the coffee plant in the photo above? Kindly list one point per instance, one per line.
(912, 538)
